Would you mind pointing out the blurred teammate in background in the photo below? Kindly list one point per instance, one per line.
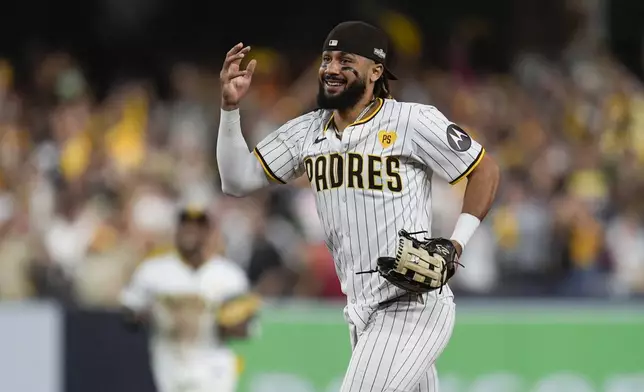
(193, 303)
(369, 160)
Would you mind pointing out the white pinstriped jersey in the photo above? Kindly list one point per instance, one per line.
(184, 348)
(371, 183)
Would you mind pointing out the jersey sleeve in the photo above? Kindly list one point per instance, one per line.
(442, 145)
(237, 283)
(279, 153)
(137, 295)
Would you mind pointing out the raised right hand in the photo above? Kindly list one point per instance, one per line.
(235, 82)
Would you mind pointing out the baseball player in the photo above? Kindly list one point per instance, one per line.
(193, 305)
(370, 161)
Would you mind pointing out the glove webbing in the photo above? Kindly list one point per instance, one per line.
(375, 270)
(447, 264)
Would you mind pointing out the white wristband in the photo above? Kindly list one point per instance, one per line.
(466, 225)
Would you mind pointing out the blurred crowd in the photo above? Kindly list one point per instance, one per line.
(89, 187)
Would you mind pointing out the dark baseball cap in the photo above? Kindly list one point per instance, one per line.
(362, 39)
(194, 214)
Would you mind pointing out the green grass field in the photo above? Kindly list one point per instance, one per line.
(504, 347)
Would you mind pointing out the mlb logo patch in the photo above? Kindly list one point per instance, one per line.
(379, 52)
(333, 42)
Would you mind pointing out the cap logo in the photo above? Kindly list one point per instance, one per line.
(333, 42)
(379, 52)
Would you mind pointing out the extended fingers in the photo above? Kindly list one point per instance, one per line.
(235, 74)
(250, 68)
(236, 54)
(235, 49)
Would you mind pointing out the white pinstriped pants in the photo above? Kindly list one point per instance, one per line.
(397, 350)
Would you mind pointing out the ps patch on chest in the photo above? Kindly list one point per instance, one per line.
(387, 138)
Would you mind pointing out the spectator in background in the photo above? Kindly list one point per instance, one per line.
(318, 277)
(481, 277)
(67, 238)
(252, 244)
(523, 232)
(189, 120)
(17, 252)
(407, 43)
(565, 125)
(625, 243)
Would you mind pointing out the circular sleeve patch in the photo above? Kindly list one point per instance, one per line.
(458, 139)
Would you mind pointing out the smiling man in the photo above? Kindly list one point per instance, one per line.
(370, 161)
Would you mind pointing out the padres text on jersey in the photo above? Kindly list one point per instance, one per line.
(370, 183)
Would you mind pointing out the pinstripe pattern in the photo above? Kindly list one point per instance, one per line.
(361, 224)
(433, 147)
(280, 149)
(398, 349)
(395, 347)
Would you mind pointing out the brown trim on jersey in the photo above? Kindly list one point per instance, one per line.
(470, 169)
(381, 103)
(267, 170)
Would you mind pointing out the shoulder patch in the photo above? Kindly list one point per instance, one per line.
(458, 139)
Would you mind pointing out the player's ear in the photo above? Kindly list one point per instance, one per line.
(376, 72)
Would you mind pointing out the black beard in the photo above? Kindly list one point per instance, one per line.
(190, 254)
(344, 100)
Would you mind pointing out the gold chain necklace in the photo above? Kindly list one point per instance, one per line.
(362, 114)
